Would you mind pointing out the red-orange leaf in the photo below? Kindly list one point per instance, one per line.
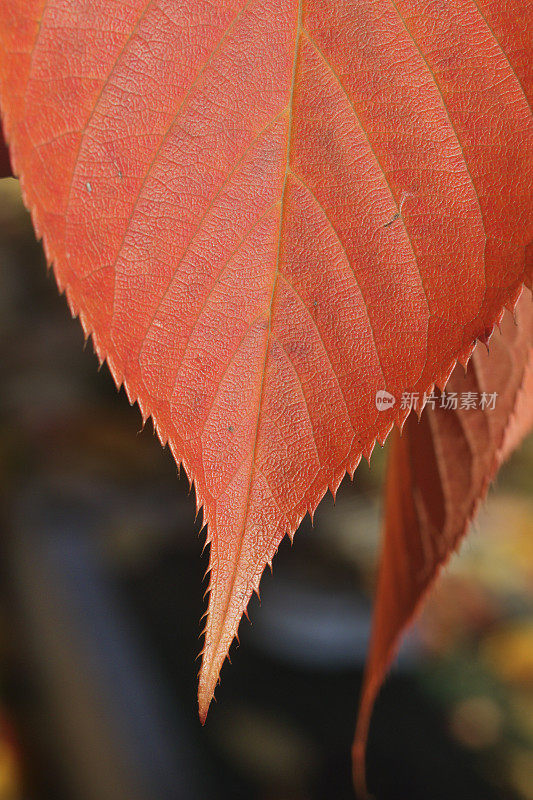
(439, 470)
(265, 211)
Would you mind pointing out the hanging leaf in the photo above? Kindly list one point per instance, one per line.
(439, 470)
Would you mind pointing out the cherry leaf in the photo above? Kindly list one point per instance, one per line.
(439, 471)
(265, 212)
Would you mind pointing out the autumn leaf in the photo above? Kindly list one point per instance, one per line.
(265, 212)
(439, 471)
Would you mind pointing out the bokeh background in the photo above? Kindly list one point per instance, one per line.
(101, 592)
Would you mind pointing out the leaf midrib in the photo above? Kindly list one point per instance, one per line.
(268, 337)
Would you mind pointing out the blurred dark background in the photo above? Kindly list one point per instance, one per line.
(101, 592)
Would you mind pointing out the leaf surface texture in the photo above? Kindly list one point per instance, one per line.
(265, 211)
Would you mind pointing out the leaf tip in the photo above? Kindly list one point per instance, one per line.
(206, 690)
(203, 708)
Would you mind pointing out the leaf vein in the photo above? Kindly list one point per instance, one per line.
(209, 208)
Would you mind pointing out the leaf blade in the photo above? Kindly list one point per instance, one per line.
(153, 147)
(439, 471)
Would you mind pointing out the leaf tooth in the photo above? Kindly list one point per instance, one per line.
(130, 395)
(311, 510)
(442, 380)
(177, 456)
(502, 312)
(99, 350)
(485, 336)
(199, 507)
(203, 530)
(86, 330)
(186, 468)
(419, 410)
(383, 436)
(464, 356)
(335, 483)
(512, 303)
(204, 616)
(206, 573)
(400, 422)
(158, 430)
(48, 251)
(202, 633)
(369, 449)
(114, 370)
(353, 465)
(401, 416)
(144, 413)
